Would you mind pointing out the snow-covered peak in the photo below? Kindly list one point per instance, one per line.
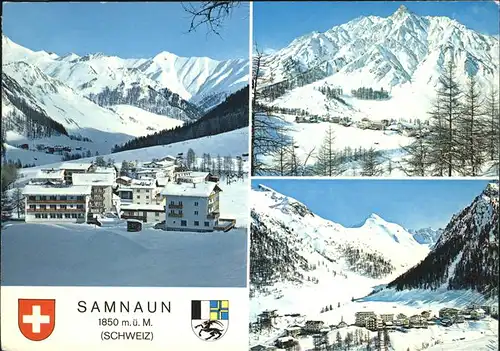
(401, 12)
(491, 190)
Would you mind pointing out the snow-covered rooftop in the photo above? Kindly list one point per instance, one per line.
(102, 179)
(76, 166)
(49, 174)
(141, 184)
(111, 170)
(32, 189)
(203, 189)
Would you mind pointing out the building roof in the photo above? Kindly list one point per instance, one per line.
(137, 183)
(203, 189)
(125, 178)
(76, 166)
(49, 174)
(99, 179)
(140, 207)
(105, 170)
(162, 181)
(32, 189)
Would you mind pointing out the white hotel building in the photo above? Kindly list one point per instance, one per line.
(192, 206)
(65, 203)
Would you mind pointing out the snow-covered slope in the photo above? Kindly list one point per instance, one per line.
(153, 121)
(466, 254)
(290, 243)
(191, 79)
(403, 53)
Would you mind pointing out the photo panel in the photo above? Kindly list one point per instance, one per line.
(125, 176)
(364, 264)
(376, 89)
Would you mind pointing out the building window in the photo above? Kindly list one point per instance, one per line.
(138, 190)
(196, 213)
(73, 215)
(44, 215)
(67, 215)
(59, 215)
(63, 198)
(207, 224)
(80, 215)
(43, 207)
(183, 223)
(32, 207)
(172, 211)
(157, 214)
(43, 198)
(79, 198)
(172, 202)
(63, 207)
(147, 197)
(196, 203)
(196, 223)
(38, 215)
(180, 202)
(52, 207)
(138, 197)
(53, 198)
(80, 207)
(52, 215)
(32, 198)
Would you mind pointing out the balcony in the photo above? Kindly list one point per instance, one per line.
(140, 218)
(55, 210)
(175, 215)
(177, 206)
(213, 215)
(57, 201)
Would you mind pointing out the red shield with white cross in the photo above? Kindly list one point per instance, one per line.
(36, 318)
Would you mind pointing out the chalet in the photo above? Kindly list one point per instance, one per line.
(101, 198)
(168, 158)
(145, 213)
(300, 119)
(426, 314)
(361, 318)
(192, 206)
(124, 180)
(64, 203)
(71, 168)
(376, 125)
(313, 326)
(266, 318)
(286, 342)
(191, 177)
(48, 176)
(418, 321)
(448, 312)
(335, 120)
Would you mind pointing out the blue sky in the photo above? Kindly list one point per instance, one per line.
(414, 204)
(277, 24)
(128, 30)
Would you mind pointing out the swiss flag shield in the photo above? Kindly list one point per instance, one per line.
(36, 318)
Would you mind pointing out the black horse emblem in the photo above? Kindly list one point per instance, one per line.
(210, 330)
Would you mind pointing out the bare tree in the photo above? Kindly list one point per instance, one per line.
(471, 130)
(267, 130)
(18, 201)
(328, 160)
(191, 159)
(493, 124)
(212, 14)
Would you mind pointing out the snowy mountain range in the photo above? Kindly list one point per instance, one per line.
(404, 53)
(466, 254)
(131, 96)
(291, 243)
(426, 236)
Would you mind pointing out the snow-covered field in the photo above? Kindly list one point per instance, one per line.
(85, 255)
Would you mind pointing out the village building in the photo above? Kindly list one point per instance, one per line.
(286, 342)
(124, 180)
(342, 324)
(109, 169)
(426, 315)
(387, 317)
(361, 317)
(48, 176)
(477, 313)
(145, 213)
(65, 203)
(418, 321)
(267, 318)
(448, 312)
(313, 326)
(293, 330)
(70, 168)
(192, 206)
(374, 323)
(101, 198)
